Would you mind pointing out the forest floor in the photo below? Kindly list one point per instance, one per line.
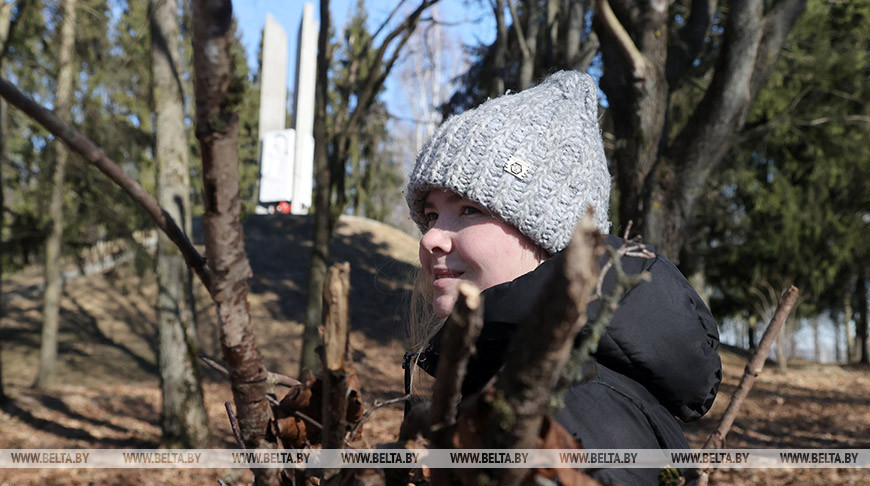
(108, 395)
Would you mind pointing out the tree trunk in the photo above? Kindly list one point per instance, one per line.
(219, 90)
(575, 57)
(838, 357)
(527, 39)
(51, 296)
(184, 421)
(498, 58)
(863, 350)
(659, 180)
(816, 356)
(322, 231)
(634, 44)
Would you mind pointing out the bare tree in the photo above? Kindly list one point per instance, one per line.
(183, 418)
(432, 61)
(660, 176)
(331, 151)
(51, 297)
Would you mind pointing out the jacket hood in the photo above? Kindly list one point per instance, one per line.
(662, 335)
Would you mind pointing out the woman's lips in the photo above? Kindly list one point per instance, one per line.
(444, 277)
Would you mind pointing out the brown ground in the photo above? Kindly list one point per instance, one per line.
(108, 394)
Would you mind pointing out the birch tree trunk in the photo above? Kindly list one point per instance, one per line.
(219, 91)
(183, 418)
(51, 296)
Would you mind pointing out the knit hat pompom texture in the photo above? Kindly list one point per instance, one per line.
(534, 159)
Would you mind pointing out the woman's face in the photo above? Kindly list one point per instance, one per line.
(464, 242)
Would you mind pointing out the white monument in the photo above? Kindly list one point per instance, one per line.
(273, 78)
(287, 155)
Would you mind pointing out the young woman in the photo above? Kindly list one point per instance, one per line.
(497, 193)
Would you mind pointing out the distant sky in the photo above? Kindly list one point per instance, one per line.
(252, 17)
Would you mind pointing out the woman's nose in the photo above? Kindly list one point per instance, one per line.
(436, 239)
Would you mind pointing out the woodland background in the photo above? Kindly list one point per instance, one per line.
(737, 133)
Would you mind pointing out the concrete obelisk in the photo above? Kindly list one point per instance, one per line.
(303, 110)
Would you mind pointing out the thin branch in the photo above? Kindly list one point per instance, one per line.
(623, 39)
(452, 23)
(387, 20)
(856, 119)
(235, 425)
(308, 419)
(376, 406)
(88, 150)
(753, 368)
(373, 82)
(214, 365)
(581, 355)
(518, 28)
(628, 229)
(631, 249)
(779, 120)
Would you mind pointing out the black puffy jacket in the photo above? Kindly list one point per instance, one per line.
(656, 360)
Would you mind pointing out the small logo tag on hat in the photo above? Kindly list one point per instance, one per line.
(517, 167)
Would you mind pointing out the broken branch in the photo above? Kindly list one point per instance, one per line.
(539, 351)
(463, 329)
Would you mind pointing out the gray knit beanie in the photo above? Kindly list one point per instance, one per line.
(534, 159)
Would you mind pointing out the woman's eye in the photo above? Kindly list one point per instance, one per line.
(431, 217)
(469, 210)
